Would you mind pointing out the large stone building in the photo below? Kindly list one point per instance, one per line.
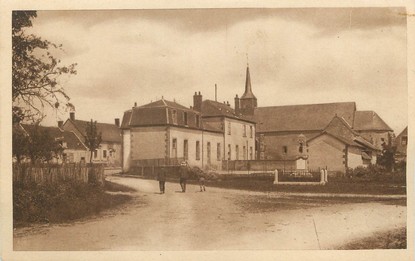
(401, 143)
(284, 131)
(165, 132)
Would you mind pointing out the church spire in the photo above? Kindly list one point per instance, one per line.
(248, 89)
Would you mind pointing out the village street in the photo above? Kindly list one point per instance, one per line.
(216, 219)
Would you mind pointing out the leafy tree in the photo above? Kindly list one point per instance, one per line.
(36, 143)
(35, 71)
(20, 143)
(41, 145)
(92, 138)
(387, 158)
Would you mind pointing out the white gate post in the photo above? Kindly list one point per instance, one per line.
(325, 176)
(322, 177)
(275, 176)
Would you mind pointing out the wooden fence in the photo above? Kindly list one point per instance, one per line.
(52, 174)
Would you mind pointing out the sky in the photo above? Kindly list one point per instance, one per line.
(295, 56)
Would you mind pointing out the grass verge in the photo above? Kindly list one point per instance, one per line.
(394, 239)
(66, 201)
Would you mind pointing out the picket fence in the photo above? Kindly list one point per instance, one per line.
(52, 174)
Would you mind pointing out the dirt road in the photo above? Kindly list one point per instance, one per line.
(217, 219)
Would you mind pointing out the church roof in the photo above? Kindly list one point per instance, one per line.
(308, 117)
(369, 120)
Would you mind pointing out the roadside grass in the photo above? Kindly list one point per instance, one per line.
(335, 185)
(261, 204)
(66, 201)
(394, 239)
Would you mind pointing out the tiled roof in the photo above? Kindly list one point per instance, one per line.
(212, 108)
(369, 120)
(341, 130)
(72, 141)
(109, 132)
(309, 117)
(161, 113)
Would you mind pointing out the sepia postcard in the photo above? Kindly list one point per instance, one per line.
(210, 131)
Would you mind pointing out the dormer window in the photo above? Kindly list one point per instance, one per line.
(197, 121)
(174, 116)
(185, 118)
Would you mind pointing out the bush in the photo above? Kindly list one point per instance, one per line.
(69, 200)
(376, 173)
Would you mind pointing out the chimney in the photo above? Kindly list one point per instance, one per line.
(227, 103)
(237, 104)
(135, 104)
(60, 124)
(197, 102)
(117, 122)
(72, 116)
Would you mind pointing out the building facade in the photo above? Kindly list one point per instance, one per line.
(109, 152)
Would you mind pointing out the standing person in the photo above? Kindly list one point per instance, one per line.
(161, 177)
(202, 183)
(184, 174)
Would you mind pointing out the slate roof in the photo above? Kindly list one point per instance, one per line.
(214, 109)
(109, 132)
(340, 129)
(308, 117)
(72, 141)
(369, 120)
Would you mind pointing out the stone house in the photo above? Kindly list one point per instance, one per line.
(338, 147)
(164, 132)
(109, 152)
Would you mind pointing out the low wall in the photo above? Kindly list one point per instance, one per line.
(258, 165)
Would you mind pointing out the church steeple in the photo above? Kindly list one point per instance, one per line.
(248, 89)
(248, 101)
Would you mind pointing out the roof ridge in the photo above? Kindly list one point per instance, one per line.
(309, 104)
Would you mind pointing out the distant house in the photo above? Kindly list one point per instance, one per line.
(110, 152)
(165, 132)
(74, 149)
(338, 147)
(401, 143)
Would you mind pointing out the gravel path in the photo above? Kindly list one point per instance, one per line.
(213, 220)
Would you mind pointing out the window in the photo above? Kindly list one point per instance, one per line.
(284, 149)
(229, 128)
(244, 153)
(174, 148)
(197, 150)
(218, 156)
(185, 118)
(244, 133)
(208, 152)
(174, 116)
(229, 152)
(237, 152)
(95, 154)
(104, 153)
(185, 150)
(197, 121)
(251, 153)
(404, 140)
(251, 131)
